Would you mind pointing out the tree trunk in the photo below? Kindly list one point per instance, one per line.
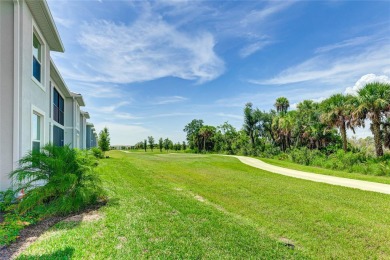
(376, 130)
(252, 138)
(343, 133)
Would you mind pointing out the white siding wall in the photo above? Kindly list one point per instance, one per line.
(33, 95)
(6, 91)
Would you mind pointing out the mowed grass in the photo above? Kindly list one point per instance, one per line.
(319, 170)
(215, 207)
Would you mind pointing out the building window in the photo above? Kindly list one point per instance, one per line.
(58, 136)
(37, 58)
(58, 107)
(36, 132)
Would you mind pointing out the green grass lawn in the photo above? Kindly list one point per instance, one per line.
(209, 206)
(313, 169)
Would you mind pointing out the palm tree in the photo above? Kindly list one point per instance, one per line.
(338, 113)
(373, 103)
(282, 126)
(282, 104)
(250, 122)
(206, 132)
(386, 133)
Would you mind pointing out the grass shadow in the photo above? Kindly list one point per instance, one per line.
(66, 253)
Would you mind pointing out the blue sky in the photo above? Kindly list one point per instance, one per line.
(150, 67)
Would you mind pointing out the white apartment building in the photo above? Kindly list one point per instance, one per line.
(36, 106)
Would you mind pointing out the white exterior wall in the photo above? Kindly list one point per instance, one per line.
(21, 94)
(6, 92)
(83, 125)
(34, 96)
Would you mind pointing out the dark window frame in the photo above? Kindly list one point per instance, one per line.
(58, 107)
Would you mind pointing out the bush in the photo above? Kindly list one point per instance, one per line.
(97, 152)
(57, 180)
(6, 199)
(305, 156)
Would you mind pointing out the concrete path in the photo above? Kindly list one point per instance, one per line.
(345, 182)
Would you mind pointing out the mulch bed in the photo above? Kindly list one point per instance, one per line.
(27, 236)
(31, 233)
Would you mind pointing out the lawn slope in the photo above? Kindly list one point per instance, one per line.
(197, 206)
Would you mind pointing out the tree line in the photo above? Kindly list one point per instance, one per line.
(315, 125)
(165, 144)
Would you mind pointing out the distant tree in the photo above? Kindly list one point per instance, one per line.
(192, 130)
(167, 144)
(161, 144)
(250, 122)
(282, 104)
(145, 145)
(227, 134)
(206, 133)
(184, 146)
(104, 140)
(151, 142)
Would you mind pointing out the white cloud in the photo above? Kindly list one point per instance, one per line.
(110, 109)
(240, 117)
(334, 70)
(252, 48)
(347, 43)
(170, 100)
(122, 134)
(274, 7)
(368, 78)
(148, 49)
(126, 116)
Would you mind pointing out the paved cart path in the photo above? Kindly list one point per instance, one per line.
(351, 183)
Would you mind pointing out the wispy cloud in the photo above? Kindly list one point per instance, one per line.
(125, 116)
(329, 69)
(169, 100)
(174, 114)
(253, 48)
(110, 109)
(272, 8)
(148, 49)
(123, 133)
(239, 117)
(347, 43)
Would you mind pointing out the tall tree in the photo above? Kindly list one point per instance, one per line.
(282, 104)
(151, 142)
(250, 122)
(145, 144)
(282, 126)
(192, 130)
(386, 132)
(167, 144)
(104, 140)
(206, 133)
(373, 103)
(160, 144)
(228, 135)
(184, 146)
(337, 112)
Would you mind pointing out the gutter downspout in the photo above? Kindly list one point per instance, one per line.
(16, 113)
